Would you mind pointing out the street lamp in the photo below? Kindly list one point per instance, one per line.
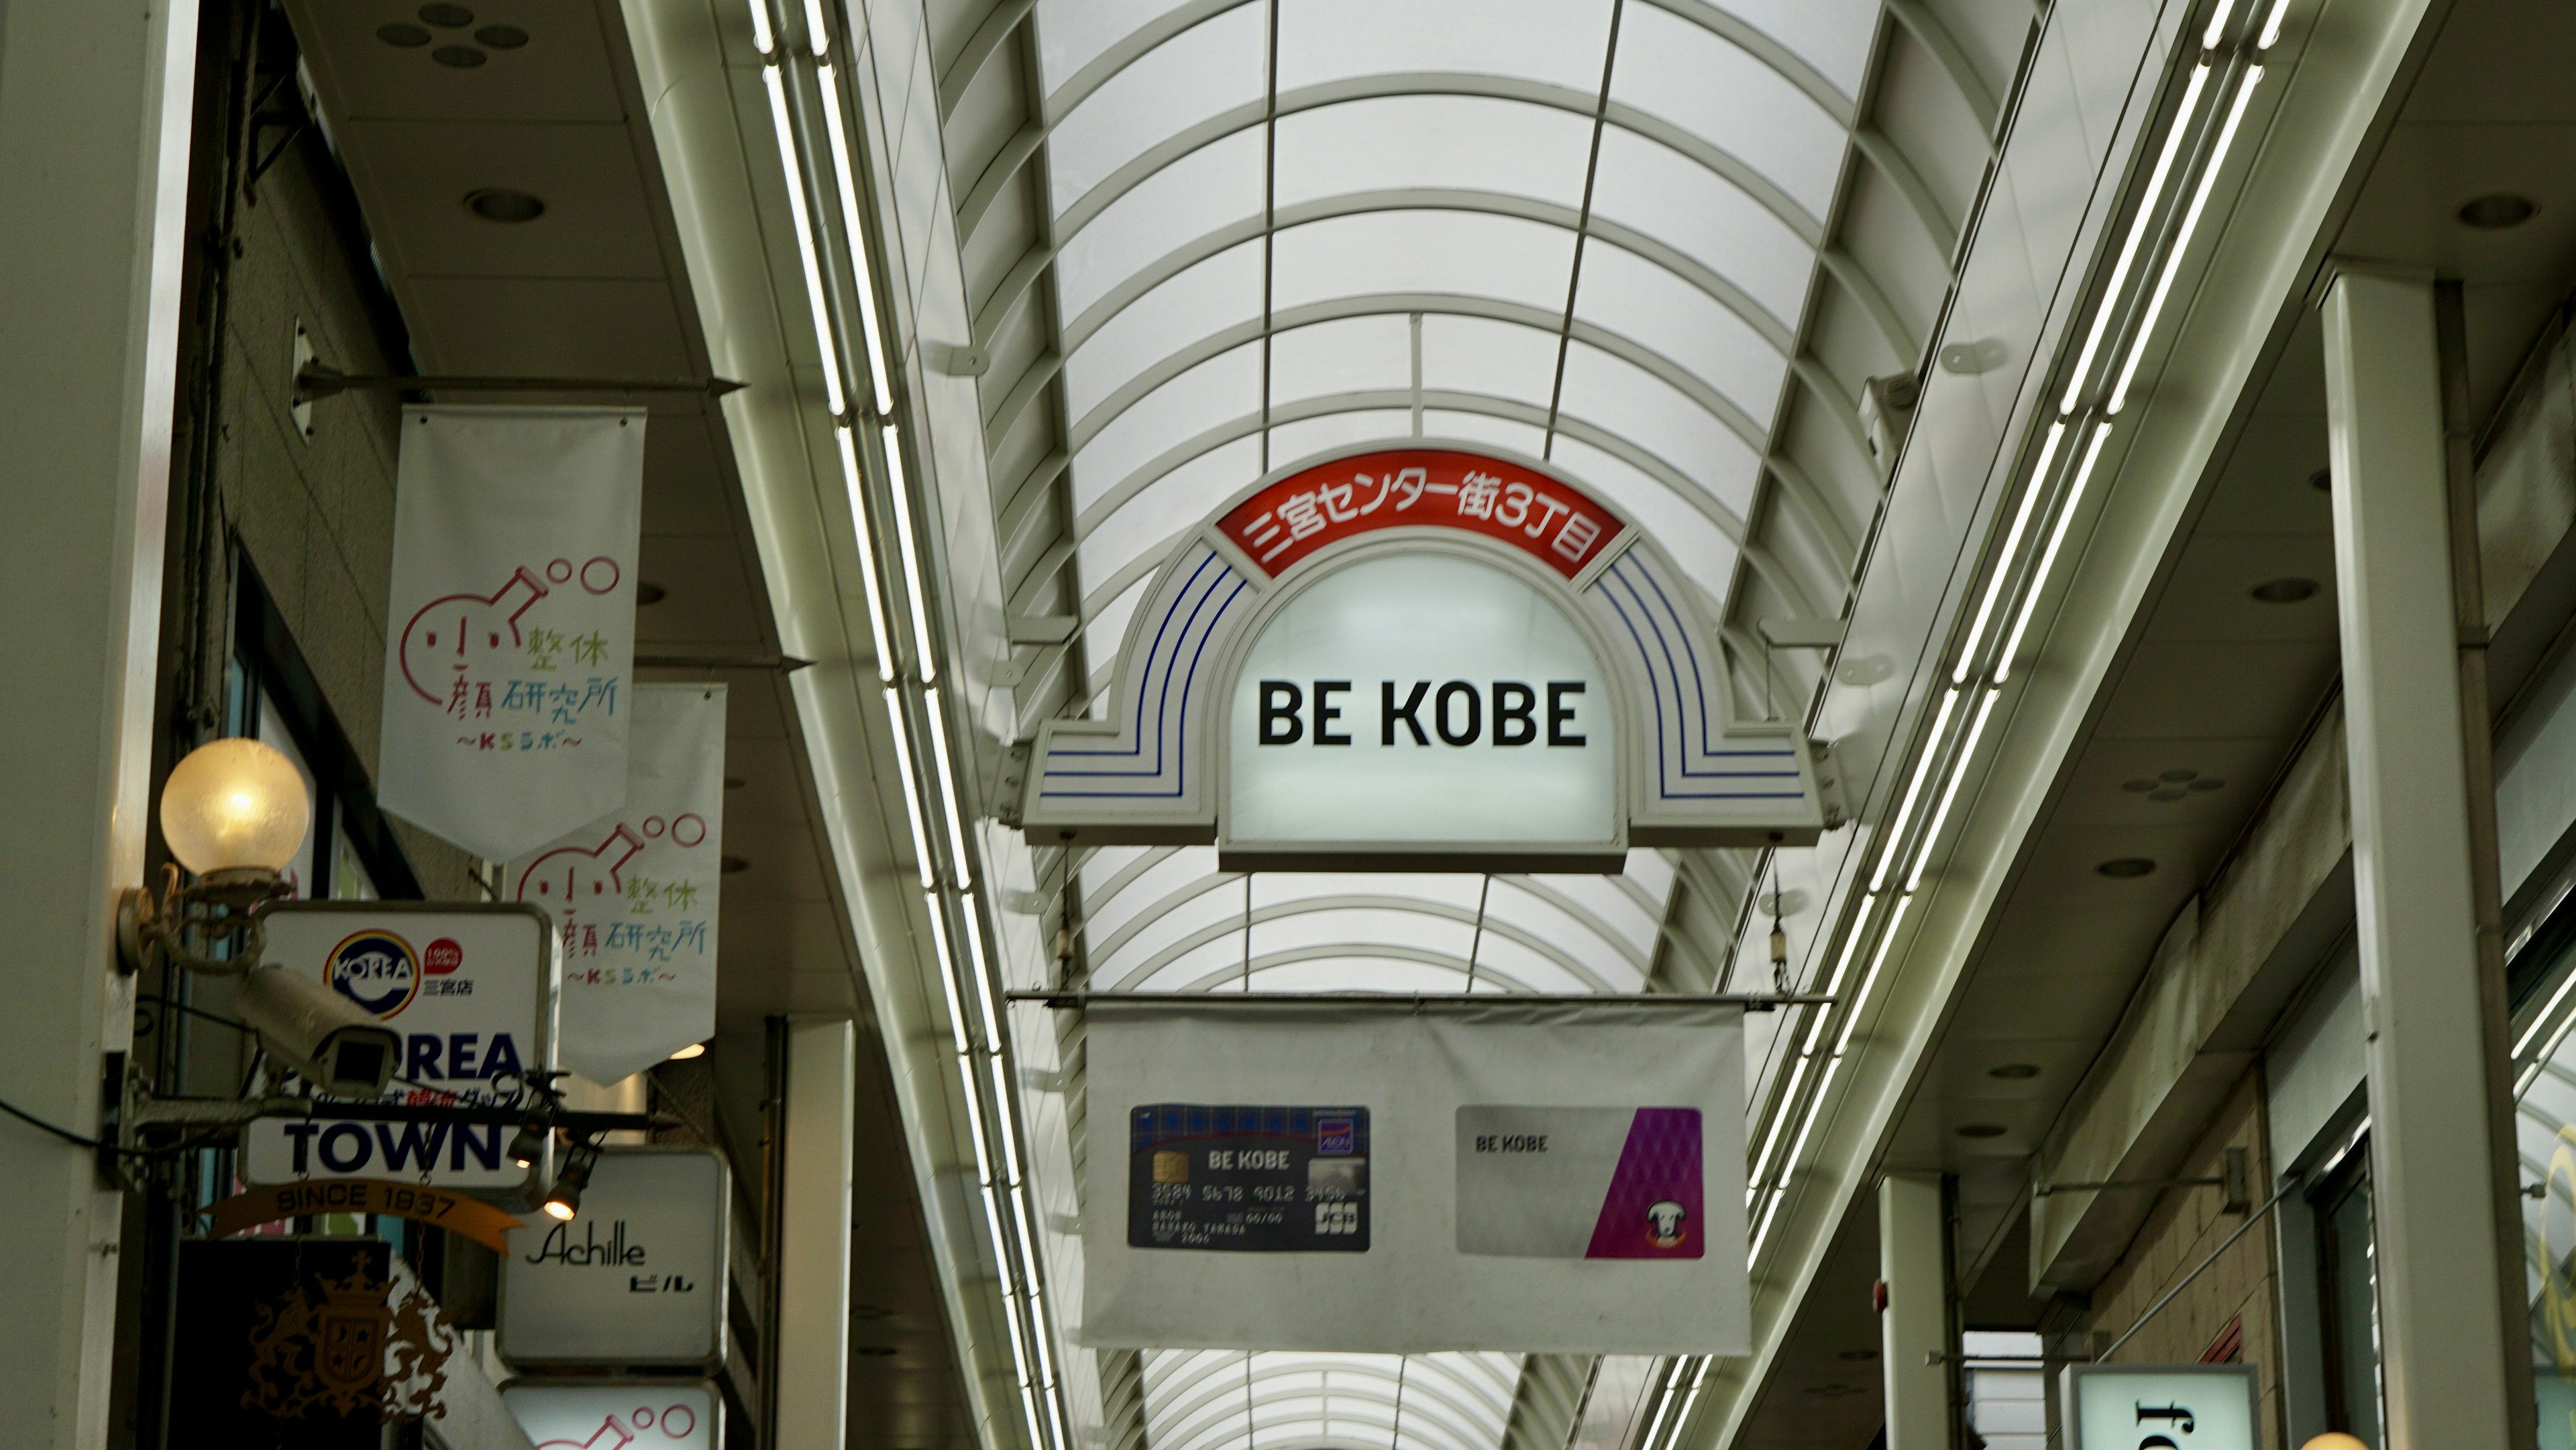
(234, 812)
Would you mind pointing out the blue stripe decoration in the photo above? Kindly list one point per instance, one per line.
(1149, 758)
(1689, 766)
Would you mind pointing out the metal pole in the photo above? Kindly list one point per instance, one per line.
(1064, 1001)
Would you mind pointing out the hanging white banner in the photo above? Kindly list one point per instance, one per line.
(1535, 1177)
(633, 894)
(511, 626)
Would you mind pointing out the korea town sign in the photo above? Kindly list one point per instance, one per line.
(1420, 658)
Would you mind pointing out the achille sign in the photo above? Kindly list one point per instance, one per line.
(1423, 657)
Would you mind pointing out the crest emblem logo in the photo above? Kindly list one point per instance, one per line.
(363, 1345)
(377, 970)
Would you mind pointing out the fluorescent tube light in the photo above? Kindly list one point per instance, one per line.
(1780, 1119)
(774, 76)
(911, 791)
(1815, 1113)
(1914, 789)
(2272, 25)
(2208, 38)
(1868, 984)
(854, 240)
(2182, 238)
(853, 478)
(2138, 226)
(947, 787)
(2031, 491)
(761, 35)
(2048, 557)
(818, 33)
(999, 1068)
(1950, 791)
(915, 587)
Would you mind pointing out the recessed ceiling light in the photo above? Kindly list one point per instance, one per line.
(447, 17)
(875, 1351)
(2285, 591)
(646, 591)
(2499, 210)
(502, 37)
(2322, 480)
(2015, 1071)
(499, 204)
(1981, 1130)
(735, 782)
(461, 57)
(2127, 868)
(403, 35)
(732, 865)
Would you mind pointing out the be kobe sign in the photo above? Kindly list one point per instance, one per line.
(1422, 656)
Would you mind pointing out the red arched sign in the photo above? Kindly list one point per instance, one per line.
(1545, 518)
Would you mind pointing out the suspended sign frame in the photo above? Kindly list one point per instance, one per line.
(1526, 589)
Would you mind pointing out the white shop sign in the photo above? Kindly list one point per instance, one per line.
(616, 1414)
(472, 990)
(638, 1278)
(1420, 657)
(2161, 1407)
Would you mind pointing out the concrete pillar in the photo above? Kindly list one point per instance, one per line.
(1915, 1325)
(812, 1362)
(2433, 1174)
(94, 119)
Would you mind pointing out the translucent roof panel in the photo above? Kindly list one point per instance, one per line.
(1284, 228)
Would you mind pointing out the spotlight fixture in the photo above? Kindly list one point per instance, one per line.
(2127, 868)
(646, 591)
(500, 204)
(2014, 1071)
(2285, 591)
(563, 1201)
(694, 1049)
(2498, 211)
(529, 1144)
(1981, 1130)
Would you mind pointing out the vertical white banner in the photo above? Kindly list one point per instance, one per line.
(511, 626)
(633, 894)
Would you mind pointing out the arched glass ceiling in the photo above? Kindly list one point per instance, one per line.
(1584, 230)
(1283, 227)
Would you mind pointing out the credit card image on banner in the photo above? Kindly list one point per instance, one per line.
(1580, 1183)
(1248, 1178)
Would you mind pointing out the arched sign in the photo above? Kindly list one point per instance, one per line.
(1419, 658)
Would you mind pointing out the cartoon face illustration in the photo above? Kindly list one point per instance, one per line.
(465, 632)
(572, 877)
(1664, 1223)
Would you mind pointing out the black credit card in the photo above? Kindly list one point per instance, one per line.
(1248, 1178)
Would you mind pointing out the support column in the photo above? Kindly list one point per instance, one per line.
(812, 1357)
(2433, 1170)
(94, 117)
(1915, 1325)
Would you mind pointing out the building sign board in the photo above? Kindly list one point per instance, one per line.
(2161, 1407)
(471, 989)
(1424, 657)
(617, 1414)
(637, 1278)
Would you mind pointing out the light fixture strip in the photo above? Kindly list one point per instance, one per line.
(2007, 556)
(2181, 248)
(2547, 1014)
(2210, 37)
(999, 1068)
(761, 35)
(2038, 584)
(818, 32)
(1868, 984)
(1815, 1115)
(987, 985)
(945, 782)
(911, 789)
(1770, 1212)
(916, 587)
(2272, 25)
(774, 76)
(992, 1197)
(1842, 968)
(1932, 740)
(1950, 790)
(975, 1117)
(947, 979)
(854, 478)
(1780, 1116)
(2139, 226)
(854, 241)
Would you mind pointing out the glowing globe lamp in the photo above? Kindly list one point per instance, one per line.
(235, 805)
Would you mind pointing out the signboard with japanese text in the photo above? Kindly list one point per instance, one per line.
(1530, 1177)
(472, 991)
(2161, 1407)
(511, 622)
(634, 1414)
(637, 1278)
(1426, 657)
(633, 894)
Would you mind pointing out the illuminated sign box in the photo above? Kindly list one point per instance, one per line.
(2160, 1407)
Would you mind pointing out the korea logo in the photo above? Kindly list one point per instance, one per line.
(377, 970)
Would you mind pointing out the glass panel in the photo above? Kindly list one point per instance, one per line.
(1657, 190)
(1424, 251)
(2351, 1303)
(1172, 505)
(1188, 199)
(1526, 439)
(1696, 543)
(1633, 297)
(1559, 42)
(1292, 442)
(1354, 355)
(1197, 74)
(1466, 142)
(1496, 359)
(1621, 398)
(1217, 293)
(1224, 387)
(1831, 35)
(1071, 33)
(1683, 74)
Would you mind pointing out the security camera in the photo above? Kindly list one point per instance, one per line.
(333, 1042)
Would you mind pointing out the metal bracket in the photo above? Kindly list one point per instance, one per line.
(2236, 1180)
(1010, 782)
(1829, 784)
(316, 380)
